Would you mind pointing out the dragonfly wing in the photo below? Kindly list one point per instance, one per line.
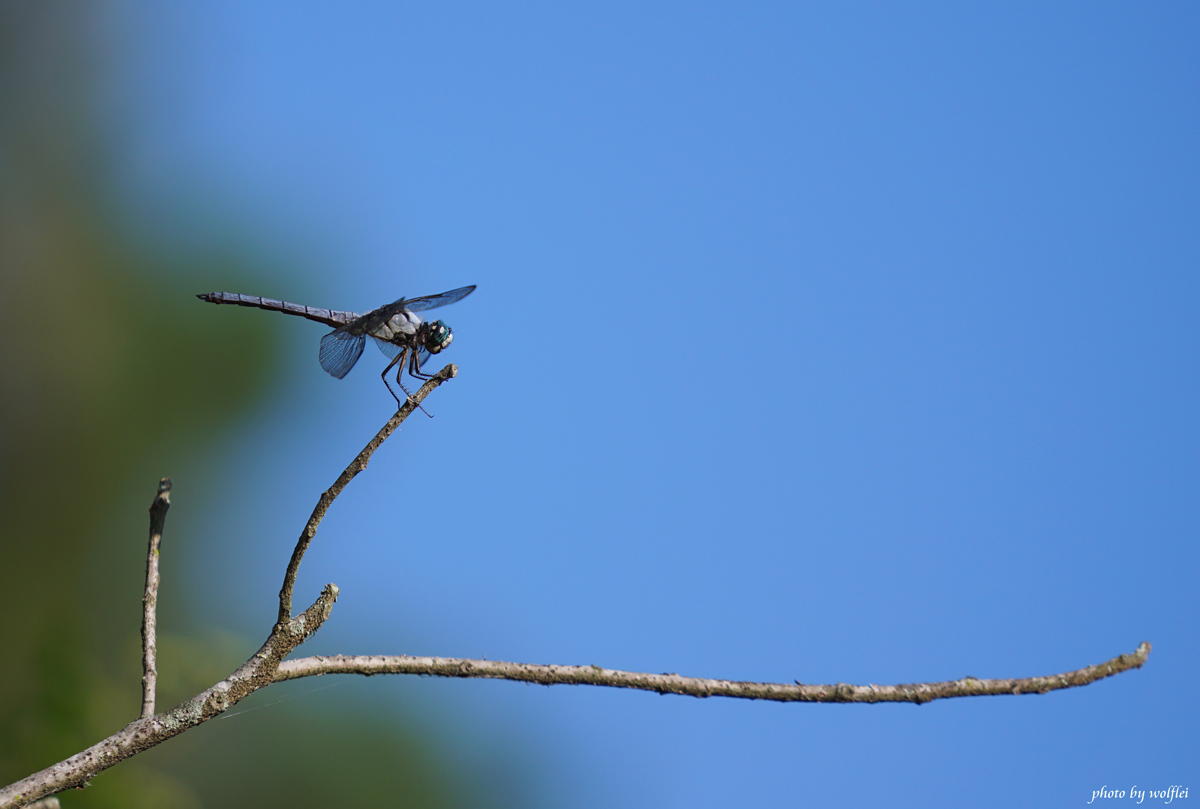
(434, 301)
(390, 350)
(340, 350)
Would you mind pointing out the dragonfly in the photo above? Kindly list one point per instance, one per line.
(401, 334)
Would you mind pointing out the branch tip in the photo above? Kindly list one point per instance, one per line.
(158, 519)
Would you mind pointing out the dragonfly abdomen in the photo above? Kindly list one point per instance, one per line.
(330, 317)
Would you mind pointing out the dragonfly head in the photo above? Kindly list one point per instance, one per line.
(438, 337)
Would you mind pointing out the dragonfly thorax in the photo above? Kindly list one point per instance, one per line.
(437, 336)
(401, 324)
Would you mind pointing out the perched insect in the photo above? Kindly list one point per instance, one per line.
(396, 328)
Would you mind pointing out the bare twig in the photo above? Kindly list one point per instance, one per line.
(265, 668)
(357, 465)
(697, 687)
(267, 665)
(158, 517)
(152, 729)
(146, 732)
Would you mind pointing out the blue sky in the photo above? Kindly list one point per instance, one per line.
(838, 342)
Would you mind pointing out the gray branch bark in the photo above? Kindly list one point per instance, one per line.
(698, 687)
(146, 732)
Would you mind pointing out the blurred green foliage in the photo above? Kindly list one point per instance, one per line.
(108, 359)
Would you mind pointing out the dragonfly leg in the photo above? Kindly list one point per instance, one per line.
(414, 367)
(411, 354)
(398, 359)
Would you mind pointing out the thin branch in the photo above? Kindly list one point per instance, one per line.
(356, 466)
(146, 732)
(267, 665)
(697, 687)
(152, 729)
(158, 517)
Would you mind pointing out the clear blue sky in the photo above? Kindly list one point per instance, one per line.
(823, 342)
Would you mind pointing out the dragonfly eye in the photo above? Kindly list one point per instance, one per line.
(439, 337)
